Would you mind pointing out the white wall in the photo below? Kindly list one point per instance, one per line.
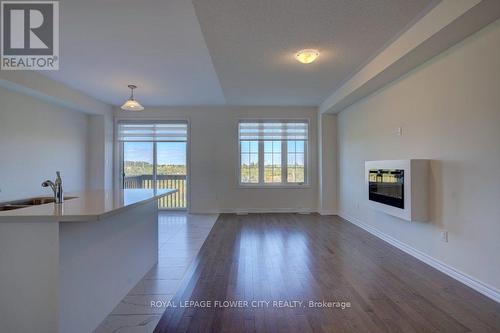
(36, 139)
(449, 109)
(100, 152)
(214, 158)
(327, 163)
(35, 84)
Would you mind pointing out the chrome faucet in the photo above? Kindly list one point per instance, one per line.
(56, 187)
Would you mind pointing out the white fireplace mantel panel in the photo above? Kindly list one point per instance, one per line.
(416, 185)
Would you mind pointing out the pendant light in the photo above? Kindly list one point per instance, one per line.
(131, 104)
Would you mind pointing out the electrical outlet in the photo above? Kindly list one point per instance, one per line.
(357, 204)
(444, 236)
(399, 131)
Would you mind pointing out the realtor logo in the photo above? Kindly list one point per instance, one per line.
(30, 35)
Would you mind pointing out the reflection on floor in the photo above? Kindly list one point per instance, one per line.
(180, 238)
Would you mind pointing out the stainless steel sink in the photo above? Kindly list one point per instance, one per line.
(12, 207)
(39, 201)
(18, 204)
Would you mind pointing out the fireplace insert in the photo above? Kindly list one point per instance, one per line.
(386, 186)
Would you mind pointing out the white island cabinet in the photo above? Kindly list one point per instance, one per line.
(64, 267)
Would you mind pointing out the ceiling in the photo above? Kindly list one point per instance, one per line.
(222, 52)
(155, 44)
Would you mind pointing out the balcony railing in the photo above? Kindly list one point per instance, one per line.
(173, 201)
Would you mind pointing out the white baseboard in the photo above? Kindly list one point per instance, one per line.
(258, 210)
(202, 212)
(327, 212)
(479, 286)
(267, 210)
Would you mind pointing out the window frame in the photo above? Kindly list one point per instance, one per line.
(284, 157)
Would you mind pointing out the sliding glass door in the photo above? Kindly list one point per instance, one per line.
(138, 161)
(154, 156)
(171, 172)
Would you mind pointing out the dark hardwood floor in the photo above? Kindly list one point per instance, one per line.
(273, 257)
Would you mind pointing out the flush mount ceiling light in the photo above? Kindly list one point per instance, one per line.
(306, 56)
(131, 104)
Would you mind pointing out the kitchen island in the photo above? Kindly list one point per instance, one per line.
(64, 267)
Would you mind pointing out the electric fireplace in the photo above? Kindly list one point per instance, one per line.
(398, 187)
(386, 186)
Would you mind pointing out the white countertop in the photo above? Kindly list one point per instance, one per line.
(87, 206)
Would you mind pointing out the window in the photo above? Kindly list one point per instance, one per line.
(249, 161)
(295, 161)
(273, 152)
